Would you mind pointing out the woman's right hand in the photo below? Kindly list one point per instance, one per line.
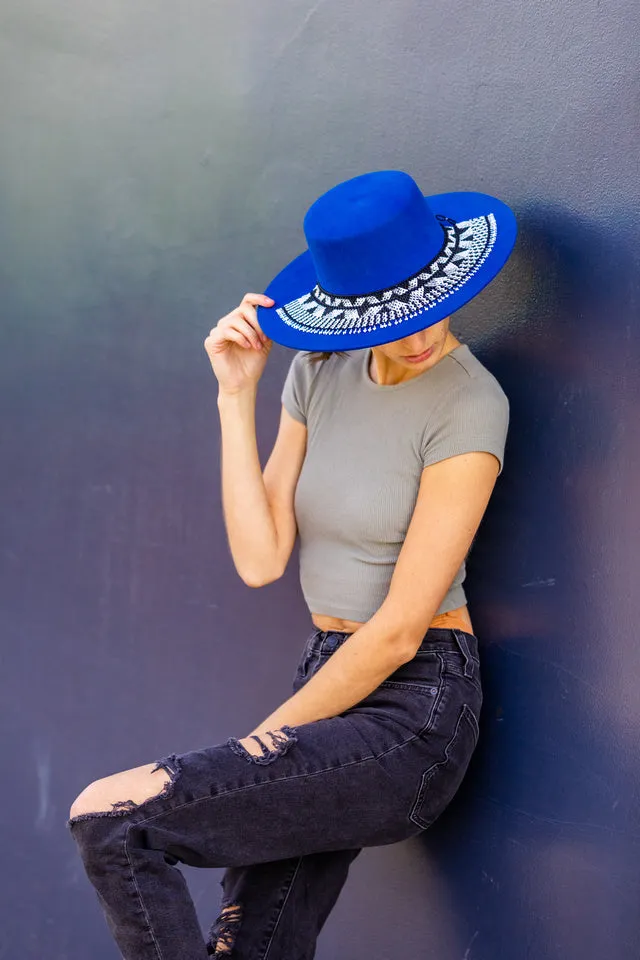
(237, 347)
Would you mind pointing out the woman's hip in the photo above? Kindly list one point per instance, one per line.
(418, 699)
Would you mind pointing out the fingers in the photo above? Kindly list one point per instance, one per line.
(259, 299)
(247, 322)
(247, 310)
(241, 325)
(221, 336)
(235, 335)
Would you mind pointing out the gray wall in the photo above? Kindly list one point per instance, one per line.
(155, 163)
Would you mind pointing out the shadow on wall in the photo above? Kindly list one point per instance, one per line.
(538, 827)
(572, 387)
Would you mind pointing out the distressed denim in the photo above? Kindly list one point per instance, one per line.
(285, 824)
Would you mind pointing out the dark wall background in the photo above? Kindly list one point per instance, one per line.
(155, 163)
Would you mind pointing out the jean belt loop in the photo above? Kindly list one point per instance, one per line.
(463, 647)
(315, 642)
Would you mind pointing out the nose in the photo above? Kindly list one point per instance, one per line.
(414, 347)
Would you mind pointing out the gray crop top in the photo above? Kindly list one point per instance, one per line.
(367, 444)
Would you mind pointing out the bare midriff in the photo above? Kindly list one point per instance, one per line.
(452, 619)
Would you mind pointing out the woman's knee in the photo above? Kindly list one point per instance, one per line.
(126, 789)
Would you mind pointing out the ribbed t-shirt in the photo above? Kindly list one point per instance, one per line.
(367, 444)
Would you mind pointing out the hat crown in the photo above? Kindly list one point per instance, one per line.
(370, 233)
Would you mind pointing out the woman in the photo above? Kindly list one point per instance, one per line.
(384, 463)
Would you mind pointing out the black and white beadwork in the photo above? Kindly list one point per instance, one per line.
(466, 246)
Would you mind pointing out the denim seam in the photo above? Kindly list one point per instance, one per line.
(474, 721)
(125, 843)
(475, 679)
(475, 682)
(310, 659)
(281, 910)
(253, 786)
(442, 684)
(411, 687)
(377, 756)
(430, 771)
(396, 746)
(417, 736)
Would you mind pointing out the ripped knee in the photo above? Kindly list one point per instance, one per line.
(119, 808)
(224, 931)
(266, 747)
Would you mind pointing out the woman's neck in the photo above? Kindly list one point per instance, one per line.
(386, 371)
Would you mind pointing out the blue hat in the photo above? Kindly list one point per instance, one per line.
(384, 261)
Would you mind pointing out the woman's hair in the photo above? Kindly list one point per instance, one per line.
(324, 355)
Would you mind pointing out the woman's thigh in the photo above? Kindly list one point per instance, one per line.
(327, 791)
(376, 774)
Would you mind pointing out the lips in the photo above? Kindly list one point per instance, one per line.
(417, 357)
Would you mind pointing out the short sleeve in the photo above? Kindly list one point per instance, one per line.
(295, 389)
(474, 417)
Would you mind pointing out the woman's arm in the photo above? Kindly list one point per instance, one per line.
(258, 507)
(251, 530)
(452, 500)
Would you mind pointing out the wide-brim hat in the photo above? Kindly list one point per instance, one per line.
(384, 261)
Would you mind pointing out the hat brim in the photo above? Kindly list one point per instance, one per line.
(298, 279)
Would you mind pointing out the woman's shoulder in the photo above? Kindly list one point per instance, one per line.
(303, 383)
(471, 412)
(307, 368)
(470, 376)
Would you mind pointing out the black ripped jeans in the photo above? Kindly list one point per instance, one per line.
(288, 823)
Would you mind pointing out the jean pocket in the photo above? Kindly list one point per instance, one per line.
(422, 674)
(441, 781)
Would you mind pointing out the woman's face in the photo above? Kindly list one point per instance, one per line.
(434, 340)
